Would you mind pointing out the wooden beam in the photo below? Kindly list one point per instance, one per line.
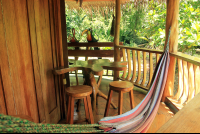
(171, 21)
(92, 53)
(93, 44)
(116, 36)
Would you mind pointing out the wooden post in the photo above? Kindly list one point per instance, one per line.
(171, 21)
(116, 36)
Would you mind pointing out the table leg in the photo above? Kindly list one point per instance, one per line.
(106, 97)
(92, 82)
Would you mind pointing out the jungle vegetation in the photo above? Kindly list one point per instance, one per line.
(143, 26)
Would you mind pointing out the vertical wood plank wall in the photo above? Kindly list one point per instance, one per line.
(27, 57)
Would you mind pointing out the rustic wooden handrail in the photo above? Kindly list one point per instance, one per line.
(140, 66)
(92, 53)
(188, 58)
(92, 44)
(188, 80)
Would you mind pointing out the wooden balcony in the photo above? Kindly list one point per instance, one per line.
(140, 69)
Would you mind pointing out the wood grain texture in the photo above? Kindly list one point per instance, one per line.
(150, 68)
(171, 22)
(36, 67)
(180, 80)
(93, 44)
(191, 82)
(186, 120)
(184, 96)
(129, 64)
(2, 97)
(124, 59)
(169, 86)
(20, 59)
(4, 64)
(134, 66)
(197, 79)
(139, 67)
(116, 35)
(144, 69)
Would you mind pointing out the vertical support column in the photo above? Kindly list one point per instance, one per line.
(116, 36)
(61, 46)
(64, 38)
(171, 21)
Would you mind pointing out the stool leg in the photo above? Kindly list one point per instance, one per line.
(108, 103)
(86, 109)
(78, 105)
(90, 109)
(68, 109)
(131, 99)
(120, 103)
(72, 111)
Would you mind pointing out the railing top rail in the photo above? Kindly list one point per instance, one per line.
(92, 44)
(188, 58)
(142, 49)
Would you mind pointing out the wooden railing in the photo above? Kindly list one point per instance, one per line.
(141, 66)
(187, 78)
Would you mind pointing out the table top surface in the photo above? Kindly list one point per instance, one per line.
(96, 65)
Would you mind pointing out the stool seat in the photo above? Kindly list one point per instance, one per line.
(120, 87)
(79, 91)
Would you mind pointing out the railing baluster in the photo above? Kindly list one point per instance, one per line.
(144, 69)
(183, 99)
(129, 64)
(139, 67)
(124, 59)
(150, 68)
(134, 66)
(180, 80)
(197, 79)
(191, 81)
(157, 58)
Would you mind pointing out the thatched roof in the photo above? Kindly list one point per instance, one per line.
(76, 4)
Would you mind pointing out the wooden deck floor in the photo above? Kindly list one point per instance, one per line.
(163, 115)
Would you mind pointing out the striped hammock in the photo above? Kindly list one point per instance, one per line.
(139, 119)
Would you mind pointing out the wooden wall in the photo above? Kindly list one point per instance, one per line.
(29, 52)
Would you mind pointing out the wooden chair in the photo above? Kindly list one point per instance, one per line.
(120, 87)
(79, 92)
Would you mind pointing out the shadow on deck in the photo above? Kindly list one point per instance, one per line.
(163, 115)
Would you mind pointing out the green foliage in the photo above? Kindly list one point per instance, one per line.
(189, 25)
(141, 25)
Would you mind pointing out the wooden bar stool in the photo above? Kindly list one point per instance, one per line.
(120, 87)
(79, 92)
